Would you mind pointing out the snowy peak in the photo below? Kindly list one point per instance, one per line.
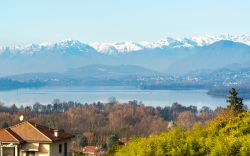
(169, 42)
(117, 47)
(124, 47)
(71, 46)
(61, 46)
(207, 40)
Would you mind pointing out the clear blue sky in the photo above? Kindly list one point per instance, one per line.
(32, 21)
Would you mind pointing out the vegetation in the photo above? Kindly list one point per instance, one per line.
(98, 121)
(235, 103)
(114, 139)
(83, 140)
(224, 135)
(113, 144)
(170, 130)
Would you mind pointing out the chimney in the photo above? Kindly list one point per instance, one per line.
(56, 133)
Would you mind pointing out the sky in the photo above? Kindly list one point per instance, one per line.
(36, 21)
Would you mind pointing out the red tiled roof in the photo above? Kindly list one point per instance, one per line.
(90, 149)
(49, 132)
(15, 135)
(6, 135)
(31, 132)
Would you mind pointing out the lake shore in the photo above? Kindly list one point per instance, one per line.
(154, 98)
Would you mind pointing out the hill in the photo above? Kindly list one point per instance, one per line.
(8, 84)
(224, 135)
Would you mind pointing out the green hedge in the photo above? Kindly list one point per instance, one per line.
(224, 135)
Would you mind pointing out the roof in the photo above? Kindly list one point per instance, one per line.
(91, 149)
(31, 132)
(49, 132)
(6, 135)
(15, 135)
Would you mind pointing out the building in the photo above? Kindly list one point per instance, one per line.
(171, 125)
(91, 150)
(31, 139)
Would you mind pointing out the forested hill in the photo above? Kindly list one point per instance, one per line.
(8, 84)
(224, 135)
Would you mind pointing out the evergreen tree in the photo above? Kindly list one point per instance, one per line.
(83, 141)
(113, 139)
(235, 103)
(114, 144)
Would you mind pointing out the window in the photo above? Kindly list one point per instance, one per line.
(30, 153)
(60, 148)
(65, 149)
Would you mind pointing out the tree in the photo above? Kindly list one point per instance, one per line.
(235, 103)
(165, 113)
(13, 109)
(205, 114)
(113, 144)
(206, 110)
(112, 100)
(37, 107)
(186, 119)
(114, 148)
(113, 140)
(83, 141)
(90, 137)
(27, 109)
(220, 136)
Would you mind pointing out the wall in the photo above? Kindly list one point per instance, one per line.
(54, 148)
(44, 150)
(51, 149)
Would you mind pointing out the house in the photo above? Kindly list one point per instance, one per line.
(91, 150)
(31, 139)
(171, 125)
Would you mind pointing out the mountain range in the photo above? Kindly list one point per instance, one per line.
(187, 42)
(169, 55)
(127, 46)
(217, 82)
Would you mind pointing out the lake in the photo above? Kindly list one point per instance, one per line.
(46, 95)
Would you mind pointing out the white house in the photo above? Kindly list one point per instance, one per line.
(31, 139)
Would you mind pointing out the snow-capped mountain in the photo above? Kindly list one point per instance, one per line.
(110, 48)
(177, 55)
(62, 47)
(187, 42)
(124, 47)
